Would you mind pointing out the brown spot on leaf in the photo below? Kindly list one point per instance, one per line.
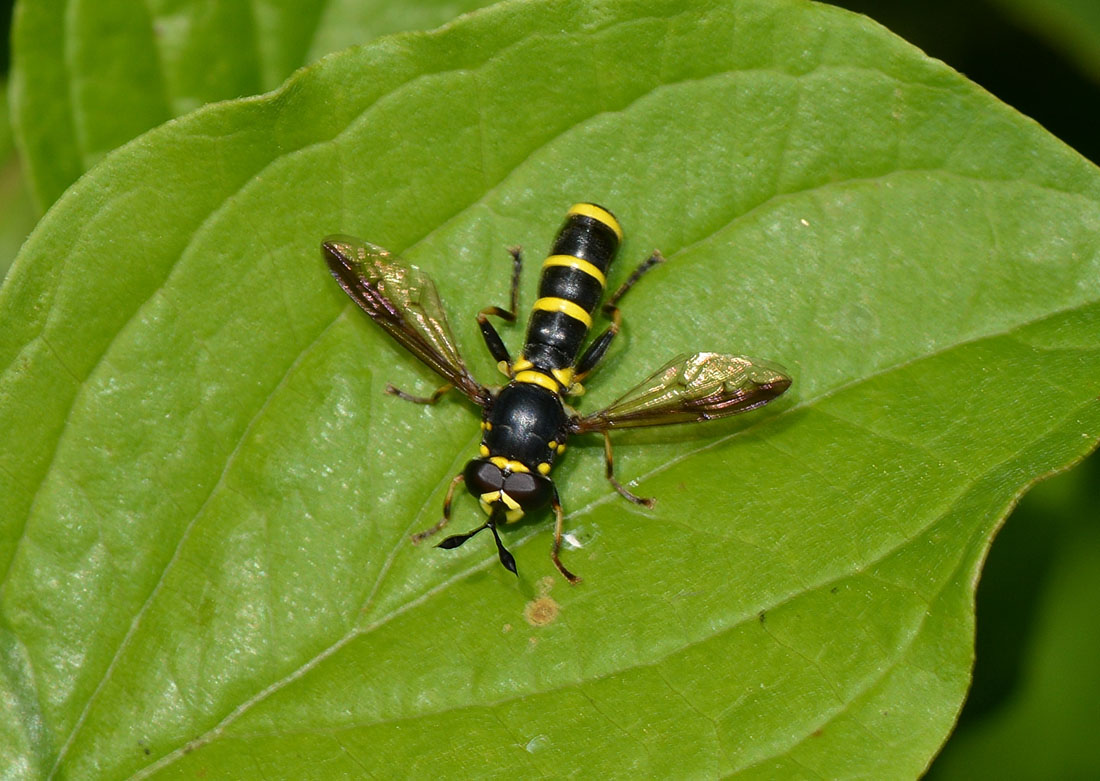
(541, 611)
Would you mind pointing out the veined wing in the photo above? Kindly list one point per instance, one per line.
(402, 299)
(691, 388)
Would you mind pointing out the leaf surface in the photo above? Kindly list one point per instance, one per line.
(208, 498)
(91, 76)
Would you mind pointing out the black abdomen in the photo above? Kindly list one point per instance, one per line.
(573, 279)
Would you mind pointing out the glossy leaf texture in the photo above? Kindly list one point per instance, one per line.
(208, 497)
(91, 76)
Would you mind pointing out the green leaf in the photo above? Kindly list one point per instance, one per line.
(1038, 602)
(17, 214)
(91, 76)
(208, 497)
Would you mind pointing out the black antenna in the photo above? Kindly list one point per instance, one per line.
(506, 558)
(457, 539)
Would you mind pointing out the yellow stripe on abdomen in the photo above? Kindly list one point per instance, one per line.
(578, 263)
(566, 307)
(599, 214)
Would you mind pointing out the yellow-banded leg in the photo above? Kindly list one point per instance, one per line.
(644, 501)
(419, 536)
(436, 395)
(555, 504)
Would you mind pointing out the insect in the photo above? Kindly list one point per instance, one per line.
(525, 423)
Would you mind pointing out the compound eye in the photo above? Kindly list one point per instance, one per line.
(528, 489)
(483, 476)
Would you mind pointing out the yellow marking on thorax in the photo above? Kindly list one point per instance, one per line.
(563, 376)
(538, 378)
(596, 213)
(504, 463)
(522, 364)
(577, 263)
(565, 306)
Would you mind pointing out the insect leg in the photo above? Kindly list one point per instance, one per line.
(492, 338)
(555, 503)
(645, 502)
(436, 395)
(598, 348)
(419, 536)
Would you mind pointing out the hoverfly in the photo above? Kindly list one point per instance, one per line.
(525, 423)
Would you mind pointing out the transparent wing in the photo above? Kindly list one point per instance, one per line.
(691, 388)
(403, 300)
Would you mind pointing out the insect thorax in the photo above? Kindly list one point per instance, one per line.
(526, 424)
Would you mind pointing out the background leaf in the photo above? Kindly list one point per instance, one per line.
(17, 215)
(1037, 635)
(210, 498)
(91, 76)
(1072, 26)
